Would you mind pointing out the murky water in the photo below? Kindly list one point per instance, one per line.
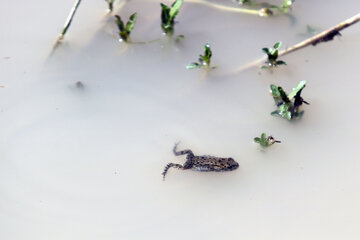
(86, 163)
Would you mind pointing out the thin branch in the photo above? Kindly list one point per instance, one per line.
(69, 19)
(324, 36)
(260, 12)
(68, 23)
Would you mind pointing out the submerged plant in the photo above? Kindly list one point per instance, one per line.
(246, 2)
(272, 55)
(310, 31)
(168, 15)
(288, 104)
(204, 61)
(125, 30)
(284, 8)
(110, 4)
(265, 141)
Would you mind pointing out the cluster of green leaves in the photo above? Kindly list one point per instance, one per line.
(272, 55)
(265, 141)
(125, 30)
(204, 61)
(110, 4)
(284, 8)
(288, 104)
(168, 15)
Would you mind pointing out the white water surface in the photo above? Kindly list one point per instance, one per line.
(86, 163)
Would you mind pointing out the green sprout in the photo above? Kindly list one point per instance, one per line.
(286, 6)
(125, 30)
(272, 55)
(110, 4)
(204, 60)
(288, 104)
(168, 15)
(265, 141)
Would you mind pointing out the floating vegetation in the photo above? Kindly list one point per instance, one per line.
(272, 55)
(269, 9)
(204, 61)
(168, 15)
(288, 104)
(125, 30)
(310, 31)
(265, 141)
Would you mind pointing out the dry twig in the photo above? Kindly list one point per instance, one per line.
(324, 36)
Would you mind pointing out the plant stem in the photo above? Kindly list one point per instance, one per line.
(146, 42)
(324, 36)
(226, 8)
(69, 19)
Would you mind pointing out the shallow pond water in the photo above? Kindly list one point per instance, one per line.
(86, 163)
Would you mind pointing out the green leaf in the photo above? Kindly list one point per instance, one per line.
(119, 23)
(207, 54)
(266, 51)
(283, 95)
(165, 16)
(175, 8)
(280, 62)
(277, 45)
(298, 88)
(193, 65)
(274, 90)
(257, 140)
(263, 137)
(131, 23)
(284, 110)
(273, 113)
(287, 3)
(286, 6)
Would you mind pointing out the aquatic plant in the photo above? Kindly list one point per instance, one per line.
(272, 55)
(168, 15)
(125, 30)
(204, 61)
(288, 104)
(265, 141)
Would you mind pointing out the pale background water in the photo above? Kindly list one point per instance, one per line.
(86, 163)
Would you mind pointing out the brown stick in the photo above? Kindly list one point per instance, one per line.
(324, 36)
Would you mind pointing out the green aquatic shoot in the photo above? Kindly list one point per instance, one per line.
(125, 30)
(272, 55)
(288, 104)
(265, 141)
(204, 61)
(269, 9)
(168, 15)
(286, 6)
